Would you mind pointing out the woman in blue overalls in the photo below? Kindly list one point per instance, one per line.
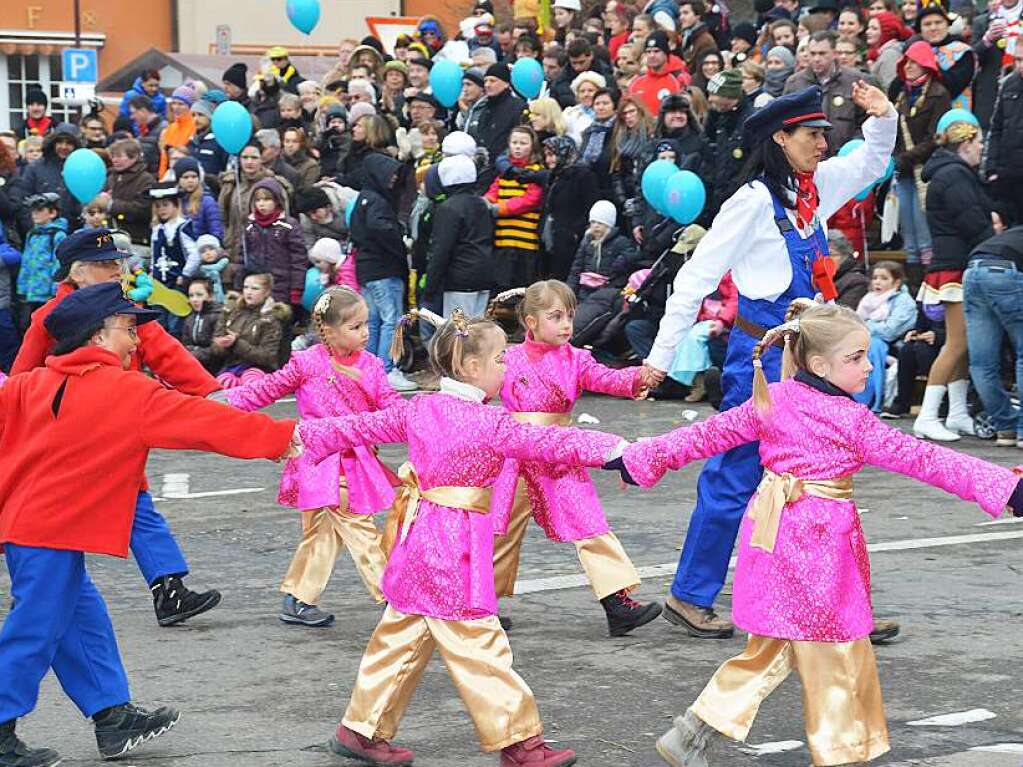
(769, 234)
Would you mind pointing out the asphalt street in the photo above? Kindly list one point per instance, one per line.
(256, 692)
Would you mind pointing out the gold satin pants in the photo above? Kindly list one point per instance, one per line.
(478, 659)
(842, 704)
(325, 534)
(602, 557)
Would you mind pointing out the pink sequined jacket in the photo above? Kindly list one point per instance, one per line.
(549, 379)
(815, 585)
(444, 567)
(321, 391)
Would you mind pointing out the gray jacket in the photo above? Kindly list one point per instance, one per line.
(845, 117)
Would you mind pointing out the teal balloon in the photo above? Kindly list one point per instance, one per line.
(304, 15)
(84, 174)
(232, 126)
(313, 287)
(527, 77)
(655, 177)
(446, 82)
(349, 210)
(854, 144)
(684, 197)
(956, 116)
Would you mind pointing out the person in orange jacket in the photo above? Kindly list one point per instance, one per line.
(90, 257)
(72, 464)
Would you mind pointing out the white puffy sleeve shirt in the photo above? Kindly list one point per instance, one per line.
(744, 237)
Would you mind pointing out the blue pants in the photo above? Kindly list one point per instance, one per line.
(58, 621)
(152, 543)
(916, 235)
(385, 299)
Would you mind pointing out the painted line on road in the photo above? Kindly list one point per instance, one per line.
(777, 747)
(1000, 521)
(557, 582)
(1001, 748)
(955, 719)
(211, 493)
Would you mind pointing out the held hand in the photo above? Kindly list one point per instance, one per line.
(295, 447)
(618, 464)
(637, 232)
(652, 377)
(717, 327)
(996, 223)
(927, 338)
(910, 336)
(870, 99)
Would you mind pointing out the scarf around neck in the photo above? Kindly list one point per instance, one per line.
(806, 199)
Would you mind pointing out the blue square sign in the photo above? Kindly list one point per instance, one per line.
(80, 65)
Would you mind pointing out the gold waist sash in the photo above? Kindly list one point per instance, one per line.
(777, 490)
(406, 505)
(543, 419)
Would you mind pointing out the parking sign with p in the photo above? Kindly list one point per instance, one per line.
(80, 65)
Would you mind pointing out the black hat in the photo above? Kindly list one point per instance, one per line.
(420, 61)
(237, 75)
(187, 165)
(36, 96)
(483, 5)
(311, 198)
(931, 9)
(474, 76)
(85, 245)
(43, 200)
(658, 39)
(763, 6)
(803, 108)
(426, 98)
(499, 70)
(88, 307)
(745, 31)
(165, 190)
(826, 5)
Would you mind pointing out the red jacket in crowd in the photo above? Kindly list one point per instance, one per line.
(157, 349)
(75, 435)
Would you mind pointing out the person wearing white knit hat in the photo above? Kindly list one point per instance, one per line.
(458, 143)
(604, 212)
(457, 169)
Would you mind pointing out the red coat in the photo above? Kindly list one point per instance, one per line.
(157, 349)
(73, 461)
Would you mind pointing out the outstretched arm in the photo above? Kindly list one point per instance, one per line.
(649, 459)
(268, 389)
(627, 382)
(324, 436)
(553, 444)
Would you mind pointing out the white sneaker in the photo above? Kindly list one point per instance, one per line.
(399, 382)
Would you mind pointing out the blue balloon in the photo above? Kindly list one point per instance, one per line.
(527, 77)
(232, 126)
(304, 15)
(655, 177)
(684, 197)
(446, 81)
(84, 174)
(851, 146)
(349, 210)
(313, 287)
(956, 116)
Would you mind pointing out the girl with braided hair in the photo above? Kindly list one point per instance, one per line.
(439, 580)
(802, 583)
(339, 493)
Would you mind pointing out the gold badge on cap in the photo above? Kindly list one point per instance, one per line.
(737, 153)
(838, 101)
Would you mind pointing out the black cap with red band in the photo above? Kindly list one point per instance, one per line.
(803, 108)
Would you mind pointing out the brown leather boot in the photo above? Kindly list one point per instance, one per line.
(699, 622)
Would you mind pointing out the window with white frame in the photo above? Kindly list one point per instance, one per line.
(24, 73)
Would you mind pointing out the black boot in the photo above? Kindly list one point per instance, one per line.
(625, 614)
(123, 728)
(174, 602)
(14, 753)
(712, 383)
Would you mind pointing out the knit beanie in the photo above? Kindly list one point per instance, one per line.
(783, 53)
(604, 212)
(187, 165)
(360, 109)
(311, 198)
(237, 75)
(500, 70)
(204, 241)
(458, 142)
(326, 249)
(727, 84)
(457, 169)
(745, 31)
(202, 107)
(184, 94)
(36, 96)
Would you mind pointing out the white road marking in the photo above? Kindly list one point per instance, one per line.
(210, 493)
(1001, 748)
(175, 484)
(1000, 521)
(955, 719)
(556, 582)
(777, 747)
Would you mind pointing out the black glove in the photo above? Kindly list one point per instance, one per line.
(1015, 500)
(618, 464)
(513, 173)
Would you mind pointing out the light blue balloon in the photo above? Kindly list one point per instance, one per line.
(527, 77)
(84, 174)
(684, 197)
(956, 116)
(655, 177)
(349, 210)
(232, 126)
(446, 81)
(854, 144)
(304, 15)
(850, 146)
(313, 287)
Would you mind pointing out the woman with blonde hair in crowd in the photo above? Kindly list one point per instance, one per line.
(546, 118)
(579, 116)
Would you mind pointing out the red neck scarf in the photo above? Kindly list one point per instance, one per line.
(806, 199)
(266, 219)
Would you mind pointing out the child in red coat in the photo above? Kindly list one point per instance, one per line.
(68, 482)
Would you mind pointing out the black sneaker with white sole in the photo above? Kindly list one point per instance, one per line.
(14, 753)
(124, 728)
(174, 602)
(298, 613)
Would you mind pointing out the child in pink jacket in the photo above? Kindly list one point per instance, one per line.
(802, 584)
(545, 375)
(439, 581)
(339, 495)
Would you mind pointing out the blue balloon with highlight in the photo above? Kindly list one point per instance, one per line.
(232, 126)
(654, 180)
(84, 174)
(446, 82)
(304, 15)
(527, 77)
(684, 197)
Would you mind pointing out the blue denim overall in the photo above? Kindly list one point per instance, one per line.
(729, 480)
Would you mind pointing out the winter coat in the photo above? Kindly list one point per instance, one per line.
(561, 88)
(921, 121)
(236, 211)
(852, 282)
(652, 87)
(44, 175)
(958, 210)
(178, 134)
(1005, 139)
(845, 117)
(494, 120)
(1007, 245)
(159, 101)
(901, 317)
(197, 334)
(208, 153)
(259, 330)
(697, 42)
(334, 146)
(207, 219)
(55, 436)
(130, 207)
(570, 194)
(461, 245)
(277, 249)
(615, 257)
(724, 131)
(350, 169)
(10, 257)
(306, 167)
(39, 261)
(149, 138)
(375, 230)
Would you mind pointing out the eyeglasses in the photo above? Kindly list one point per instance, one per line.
(131, 330)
